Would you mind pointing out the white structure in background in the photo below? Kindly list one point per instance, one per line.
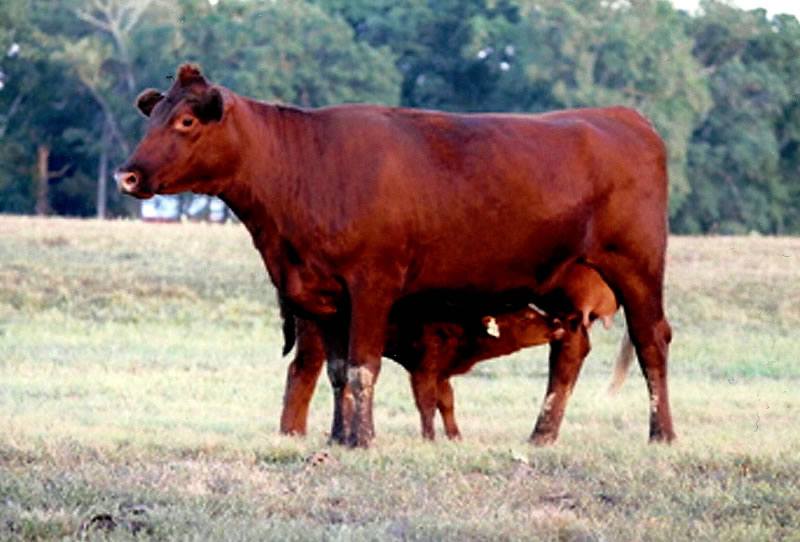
(213, 209)
(170, 209)
(217, 211)
(161, 209)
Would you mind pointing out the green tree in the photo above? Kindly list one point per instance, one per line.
(452, 54)
(40, 103)
(744, 160)
(104, 54)
(287, 51)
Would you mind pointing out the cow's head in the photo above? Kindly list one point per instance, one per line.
(188, 144)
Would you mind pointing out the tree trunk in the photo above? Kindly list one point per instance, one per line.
(43, 180)
(102, 172)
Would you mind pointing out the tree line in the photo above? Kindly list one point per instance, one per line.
(720, 85)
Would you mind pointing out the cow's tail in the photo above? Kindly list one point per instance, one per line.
(289, 327)
(622, 365)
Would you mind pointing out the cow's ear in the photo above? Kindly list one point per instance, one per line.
(210, 106)
(147, 100)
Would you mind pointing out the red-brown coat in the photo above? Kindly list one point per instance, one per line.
(356, 207)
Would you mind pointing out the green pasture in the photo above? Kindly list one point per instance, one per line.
(141, 383)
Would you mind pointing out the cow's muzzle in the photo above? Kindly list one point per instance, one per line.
(132, 183)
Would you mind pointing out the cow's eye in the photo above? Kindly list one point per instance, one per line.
(185, 123)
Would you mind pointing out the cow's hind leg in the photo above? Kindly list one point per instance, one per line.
(639, 284)
(566, 359)
(652, 345)
(425, 395)
(301, 377)
(446, 404)
(650, 334)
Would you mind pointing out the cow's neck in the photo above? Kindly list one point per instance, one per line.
(269, 183)
(265, 192)
(248, 206)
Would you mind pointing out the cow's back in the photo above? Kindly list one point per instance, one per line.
(490, 201)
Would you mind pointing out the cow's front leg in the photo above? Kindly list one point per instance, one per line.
(566, 359)
(335, 339)
(301, 376)
(370, 304)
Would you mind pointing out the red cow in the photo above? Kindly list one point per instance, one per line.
(356, 207)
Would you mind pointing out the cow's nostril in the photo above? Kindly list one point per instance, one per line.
(127, 180)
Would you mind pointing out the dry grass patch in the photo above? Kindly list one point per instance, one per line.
(140, 386)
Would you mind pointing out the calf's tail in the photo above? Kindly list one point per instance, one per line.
(622, 365)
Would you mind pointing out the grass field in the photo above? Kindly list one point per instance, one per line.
(141, 383)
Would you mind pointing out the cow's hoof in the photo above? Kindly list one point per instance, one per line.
(660, 437)
(543, 439)
(337, 438)
(360, 439)
(359, 443)
(293, 432)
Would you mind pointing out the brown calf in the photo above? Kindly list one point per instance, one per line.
(437, 350)
(449, 350)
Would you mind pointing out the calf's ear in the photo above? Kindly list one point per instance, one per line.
(147, 100)
(210, 106)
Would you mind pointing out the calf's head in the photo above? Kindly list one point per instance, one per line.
(189, 143)
(527, 327)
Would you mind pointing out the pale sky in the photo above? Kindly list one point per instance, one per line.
(774, 7)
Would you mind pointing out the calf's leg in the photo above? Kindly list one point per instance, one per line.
(446, 404)
(424, 387)
(301, 377)
(566, 359)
